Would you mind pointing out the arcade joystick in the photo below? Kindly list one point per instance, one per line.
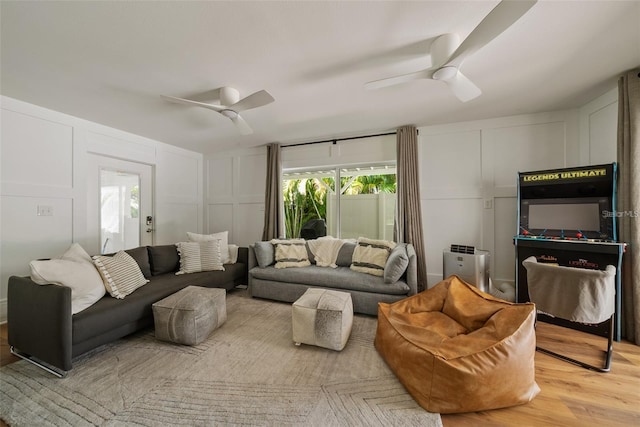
(579, 235)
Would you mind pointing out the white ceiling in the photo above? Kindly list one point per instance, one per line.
(108, 62)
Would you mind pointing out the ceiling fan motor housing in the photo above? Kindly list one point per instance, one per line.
(229, 96)
(443, 47)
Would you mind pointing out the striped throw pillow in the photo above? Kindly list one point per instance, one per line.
(199, 256)
(120, 273)
(370, 256)
(290, 253)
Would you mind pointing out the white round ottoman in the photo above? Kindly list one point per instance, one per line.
(190, 315)
(323, 318)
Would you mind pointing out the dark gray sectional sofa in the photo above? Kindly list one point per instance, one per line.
(42, 328)
(288, 284)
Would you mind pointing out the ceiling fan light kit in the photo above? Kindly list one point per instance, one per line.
(231, 105)
(448, 54)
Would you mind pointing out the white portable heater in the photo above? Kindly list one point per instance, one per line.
(468, 263)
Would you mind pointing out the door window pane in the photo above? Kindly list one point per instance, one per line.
(119, 210)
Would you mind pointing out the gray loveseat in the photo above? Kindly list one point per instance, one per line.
(42, 328)
(288, 284)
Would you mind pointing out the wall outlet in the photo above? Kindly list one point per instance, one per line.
(488, 203)
(45, 210)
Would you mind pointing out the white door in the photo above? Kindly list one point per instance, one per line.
(120, 204)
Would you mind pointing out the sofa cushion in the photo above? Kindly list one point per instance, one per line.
(265, 253)
(110, 313)
(345, 255)
(120, 273)
(141, 256)
(199, 256)
(370, 256)
(163, 259)
(396, 264)
(337, 278)
(75, 270)
(291, 253)
(222, 236)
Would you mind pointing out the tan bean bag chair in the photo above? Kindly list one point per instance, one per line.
(457, 349)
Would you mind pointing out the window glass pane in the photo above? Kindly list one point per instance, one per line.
(119, 210)
(363, 205)
(367, 202)
(305, 195)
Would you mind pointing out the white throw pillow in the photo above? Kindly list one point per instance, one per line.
(222, 236)
(291, 253)
(370, 256)
(199, 256)
(233, 254)
(120, 273)
(75, 270)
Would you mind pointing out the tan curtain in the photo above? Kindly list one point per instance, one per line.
(629, 199)
(408, 226)
(273, 205)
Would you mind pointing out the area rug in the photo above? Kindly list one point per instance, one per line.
(248, 372)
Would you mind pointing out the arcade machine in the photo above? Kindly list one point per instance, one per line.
(567, 217)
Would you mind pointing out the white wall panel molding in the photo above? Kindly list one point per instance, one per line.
(469, 180)
(499, 122)
(234, 188)
(44, 165)
(598, 129)
(35, 151)
(125, 149)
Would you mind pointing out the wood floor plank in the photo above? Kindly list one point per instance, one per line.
(571, 395)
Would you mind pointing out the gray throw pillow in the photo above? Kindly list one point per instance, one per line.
(141, 255)
(265, 254)
(163, 259)
(396, 264)
(345, 254)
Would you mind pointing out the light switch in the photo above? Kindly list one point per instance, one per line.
(45, 210)
(488, 203)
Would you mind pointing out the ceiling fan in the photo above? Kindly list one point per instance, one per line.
(448, 54)
(231, 105)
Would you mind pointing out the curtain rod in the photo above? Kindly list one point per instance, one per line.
(335, 140)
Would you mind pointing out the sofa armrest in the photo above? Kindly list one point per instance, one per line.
(412, 270)
(253, 262)
(243, 255)
(39, 321)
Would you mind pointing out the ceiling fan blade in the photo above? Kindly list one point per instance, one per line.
(391, 81)
(504, 15)
(217, 108)
(463, 88)
(242, 126)
(255, 100)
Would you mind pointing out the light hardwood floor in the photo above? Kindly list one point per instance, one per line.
(570, 396)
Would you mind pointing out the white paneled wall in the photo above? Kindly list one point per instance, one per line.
(43, 157)
(469, 181)
(598, 129)
(467, 171)
(235, 181)
(235, 185)
(179, 194)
